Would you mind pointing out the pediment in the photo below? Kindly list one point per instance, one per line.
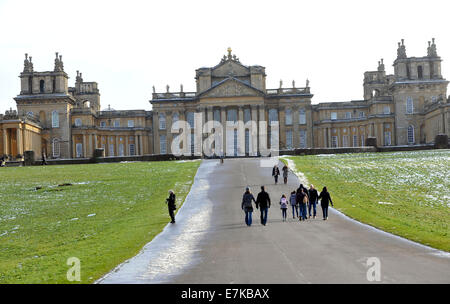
(230, 68)
(231, 87)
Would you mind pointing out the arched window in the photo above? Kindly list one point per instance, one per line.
(419, 72)
(55, 119)
(409, 105)
(288, 113)
(41, 86)
(411, 138)
(77, 122)
(162, 121)
(55, 147)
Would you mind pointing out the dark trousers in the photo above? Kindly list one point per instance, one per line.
(325, 211)
(313, 205)
(264, 212)
(248, 217)
(294, 210)
(303, 214)
(276, 178)
(284, 213)
(172, 215)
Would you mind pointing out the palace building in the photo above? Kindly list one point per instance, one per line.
(409, 107)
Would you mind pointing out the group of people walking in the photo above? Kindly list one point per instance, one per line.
(302, 201)
(276, 173)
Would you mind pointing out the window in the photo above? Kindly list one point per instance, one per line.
(289, 139)
(192, 143)
(190, 119)
(433, 98)
(361, 114)
(302, 117)
(288, 113)
(247, 115)
(387, 110)
(419, 72)
(77, 122)
(355, 140)
(162, 144)
(79, 149)
(103, 124)
(348, 115)
(411, 134)
(273, 115)
(333, 115)
(247, 141)
(362, 141)
(131, 124)
(55, 147)
(409, 105)
(42, 86)
(175, 117)
(345, 141)
(132, 149)
(303, 139)
(116, 123)
(162, 121)
(334, 142)
(121, 150)
(111, 149)
(217, 115)
(232, 115)
(387, 138)
(55, 119)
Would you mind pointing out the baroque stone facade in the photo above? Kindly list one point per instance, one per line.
(407, 108)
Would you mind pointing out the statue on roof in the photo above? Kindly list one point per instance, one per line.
(27, 65)
(432, 52)
(59, 67)
(381, 65)
(401, 51)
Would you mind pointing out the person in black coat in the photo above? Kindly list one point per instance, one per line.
(171, 205)
(275, 173)
(302, 198)
(325, 199)
(263, 203)
(313, 196)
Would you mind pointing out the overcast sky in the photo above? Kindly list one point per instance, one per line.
(128, 46)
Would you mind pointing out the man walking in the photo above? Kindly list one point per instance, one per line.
(171, 205)
(313, 195)
(263, 202)
(246, 205)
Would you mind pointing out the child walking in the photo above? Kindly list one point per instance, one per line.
(284, 206)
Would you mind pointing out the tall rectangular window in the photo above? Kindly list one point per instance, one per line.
(348, 115)
(387, 138)
(131, 124)
(247, 115)
(111, 150)
(289, 144)
(288, 113)
(132, 150)
(345, 141)
(409, 105)
(162, 144)
(386, 110)
(355, 140)
(302, 117)
(333, 115)
(303, 139)
(162, 121)
(55, 147)
(116, 123)
(55, 119)
(334, 142)
(362, 141)
(411, 138)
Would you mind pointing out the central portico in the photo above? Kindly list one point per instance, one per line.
(231, 93)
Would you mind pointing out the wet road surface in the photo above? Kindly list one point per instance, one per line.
(210, 242)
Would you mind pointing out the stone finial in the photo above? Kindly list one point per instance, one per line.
(307, 82)
(281, 83)
(181, 87)
(154, 89)
(293, 84)
(79, 78)
(59, 67)
(381, 65)
(229, 53)
(401, 51)
(431, 51)
(27, 65)
(167, 88)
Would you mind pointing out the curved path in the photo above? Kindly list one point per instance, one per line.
(211, 244)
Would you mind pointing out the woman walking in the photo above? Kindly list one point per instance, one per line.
(170, 201)
(285, 173)
(283, 206)
(275, 173)
(247, 206)
(293, 200)
(302, 200)
(325, 199)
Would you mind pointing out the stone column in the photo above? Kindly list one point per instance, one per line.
(282, 125)
(339, 141)
(5, 141)
(141, 150)
(262, 117)
(116, 148)
(84, 146)
(329, 137)
(168, 132)
(223, 116)
(241, 135)
(74, 151)
(126, 152)
(19, 141)
(254, 131)
(156, 148)
(95, 141)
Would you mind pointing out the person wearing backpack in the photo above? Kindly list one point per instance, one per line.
(302, 200)
(170, 201)
(247, 206)
(284, 206)
(325, 199)
(293, 200)
(263, 202)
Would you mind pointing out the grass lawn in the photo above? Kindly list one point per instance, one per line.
(105, 217)
(405, 193)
